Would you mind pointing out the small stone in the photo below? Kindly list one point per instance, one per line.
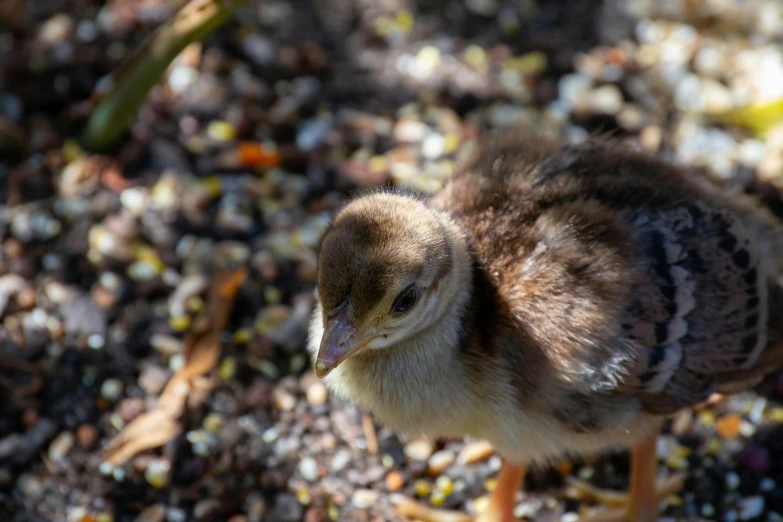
(440, 461)
(606, 99)
(474, 452)
(206, 508)
(152, 379)
(732, 481)
(157, 473)
(317, 394)
(364, 498)
(308, 468)
(751, 507)
(286, 509)
(283, 400)
(56, 29)
(256, 507)
(153, 513)
(409, 131)
(86, 436)
(30, 487)
(341, 460)
(394, 481)
(419, 449)
(111, 389)
(60, 446)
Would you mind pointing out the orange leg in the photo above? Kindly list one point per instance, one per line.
(500, 508)
(641, 504)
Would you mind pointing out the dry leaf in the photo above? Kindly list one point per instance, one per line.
(202, 351)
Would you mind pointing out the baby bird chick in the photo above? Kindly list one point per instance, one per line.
(551, 300)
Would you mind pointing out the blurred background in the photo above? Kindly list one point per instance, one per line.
(129, 392)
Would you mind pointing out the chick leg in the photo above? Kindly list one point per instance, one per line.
(641, 503)
(500, 508)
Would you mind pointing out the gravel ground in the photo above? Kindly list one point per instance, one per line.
(237, 160)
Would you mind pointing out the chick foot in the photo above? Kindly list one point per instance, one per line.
(500, 508)
(641, 503)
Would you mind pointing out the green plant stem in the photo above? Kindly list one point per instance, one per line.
(143, 70)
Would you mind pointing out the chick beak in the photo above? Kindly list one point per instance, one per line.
(339, 342)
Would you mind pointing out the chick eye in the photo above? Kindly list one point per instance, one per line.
(406, 300)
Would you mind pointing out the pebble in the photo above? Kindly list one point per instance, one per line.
(751, 507)
(283, 400)
(86, 436)
(286, 509)
(364, 498)
(341, 460)
(308, 468)
(256, 507)
(317, 393)
(419, 449)
(152, 379)
(440, 461)
(474, 452)
(732, 481)
(30, 487)
(206, 508)
(153, 513)
(394, 481)
(111, 389)
(606, 99)
(157, 473)
(60, 446)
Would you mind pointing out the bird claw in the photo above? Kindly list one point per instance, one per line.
(616, 503)
(416, 510)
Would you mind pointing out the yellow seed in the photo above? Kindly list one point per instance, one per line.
(273, 295)
(451, 143)
(333, 512)
(713, 447)
(775, 414)
(444, 485)
(673, 500)
(437, 498)
(677, 463)
(405, 21)
(378, 164)
(72, 150)
(481, 504)
(429, 56)
(683, 451)
(242, 336)
(476, 57)
(212, 185)
(213, 422)
(422, 488)
(105, 517)
(195, 304)
(384, 26)
(221, 131)
(707, 418)
(490, 484)
(303, 496)
(180, 323)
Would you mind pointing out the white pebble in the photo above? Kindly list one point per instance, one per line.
(751, 507)
(111, 389)
(96, 341)
(364, 498)
(308, 468)
(732, 480)
(418, 449)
